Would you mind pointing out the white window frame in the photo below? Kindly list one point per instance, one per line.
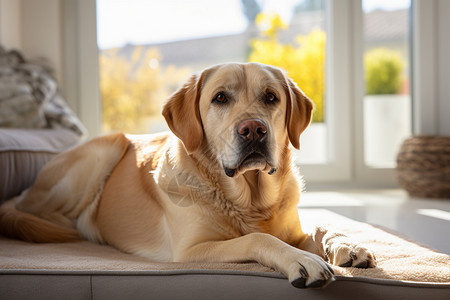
(363, 175)
(338, 98)
(81, 73)
(345, 95)
(345, 86)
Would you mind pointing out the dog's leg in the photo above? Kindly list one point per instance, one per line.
(303, 269)
(338, 249)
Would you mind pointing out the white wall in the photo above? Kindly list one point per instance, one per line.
(42, 32)
(11, 24)
(34, 27)
(443, 37)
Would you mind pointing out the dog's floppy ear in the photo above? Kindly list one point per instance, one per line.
(182, 114)
(299, 112)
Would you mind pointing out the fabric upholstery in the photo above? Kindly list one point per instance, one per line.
(405, 270)
(23, 152)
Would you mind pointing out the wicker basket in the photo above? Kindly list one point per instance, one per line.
(423, 166)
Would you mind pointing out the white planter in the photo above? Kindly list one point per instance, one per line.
(387, 122)
(313, 145)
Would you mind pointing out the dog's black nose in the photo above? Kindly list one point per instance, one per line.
(252, 129)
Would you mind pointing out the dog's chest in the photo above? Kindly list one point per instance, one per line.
(230, 210)
(235, 220)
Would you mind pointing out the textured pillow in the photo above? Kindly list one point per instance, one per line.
(30, 97)
(23, 152)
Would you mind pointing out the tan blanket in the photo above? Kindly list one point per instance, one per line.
(398, 259)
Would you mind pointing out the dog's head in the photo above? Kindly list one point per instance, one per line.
(245, 114)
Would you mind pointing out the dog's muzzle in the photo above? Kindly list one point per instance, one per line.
(253, 150)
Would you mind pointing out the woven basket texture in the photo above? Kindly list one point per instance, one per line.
(423, 166)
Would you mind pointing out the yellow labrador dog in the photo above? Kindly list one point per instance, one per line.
(220, 188)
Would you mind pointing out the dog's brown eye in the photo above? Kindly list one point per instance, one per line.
(220, 98)
(270, 97)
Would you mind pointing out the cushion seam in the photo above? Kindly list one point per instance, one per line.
(32, 150)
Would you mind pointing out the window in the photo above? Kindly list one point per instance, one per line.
(341, 145)
(387, 100)
(144, 59)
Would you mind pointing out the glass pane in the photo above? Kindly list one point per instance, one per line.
(149, 48)
(387, 103)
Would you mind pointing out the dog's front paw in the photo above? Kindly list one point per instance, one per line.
(342, 252)
(310, 271)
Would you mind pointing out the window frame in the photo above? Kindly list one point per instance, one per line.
(80, 72)
(364, 175)
(338, 117)
(345, 20)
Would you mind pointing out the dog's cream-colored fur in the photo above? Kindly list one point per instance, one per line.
(195, 194)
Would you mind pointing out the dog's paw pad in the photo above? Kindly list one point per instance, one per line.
(317, 283)
(347, 264)
(362, 265)
(299, 283)
(352, 255)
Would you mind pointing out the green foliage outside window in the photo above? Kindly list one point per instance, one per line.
(383, 71)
